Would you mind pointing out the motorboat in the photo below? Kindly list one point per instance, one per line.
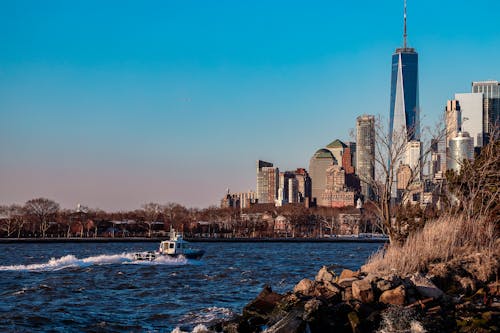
(176, 246)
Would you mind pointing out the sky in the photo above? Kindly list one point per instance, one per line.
(113, 104)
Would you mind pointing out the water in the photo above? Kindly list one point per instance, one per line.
(100, 288)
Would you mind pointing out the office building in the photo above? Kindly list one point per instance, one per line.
(471, 107)
(491, 105)
(404, 102)
(337, 149)
(413, 158)
(267, 182)
(320, 161)
(304, 185)
(460, 148)
(453, 119)
(365, 153)
(336, 193)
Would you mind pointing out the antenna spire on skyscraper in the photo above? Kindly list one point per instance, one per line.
(404, 34)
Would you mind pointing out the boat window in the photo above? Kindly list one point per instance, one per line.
(171, 245)
(178, 245)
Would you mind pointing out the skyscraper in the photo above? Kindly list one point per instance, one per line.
(453, 119)
(267, 182)
(404, 105)
(365, 153)
(471, 107)
(460, 148)
(491, 105)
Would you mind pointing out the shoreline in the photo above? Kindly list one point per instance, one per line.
(193, 240)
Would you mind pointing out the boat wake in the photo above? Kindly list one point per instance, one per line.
(70, 261)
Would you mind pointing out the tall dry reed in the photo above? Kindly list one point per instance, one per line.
(449, 238)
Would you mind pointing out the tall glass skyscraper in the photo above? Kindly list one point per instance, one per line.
(404, 107)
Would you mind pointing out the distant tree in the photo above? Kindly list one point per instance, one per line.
(13, 220)
(42, 210)
(150, 213)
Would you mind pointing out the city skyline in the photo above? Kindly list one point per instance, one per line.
(115, 106)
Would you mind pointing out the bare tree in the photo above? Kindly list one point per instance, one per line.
(476, 187)
(390, 151)
(12, 220)
(42, 210)
(150, 213)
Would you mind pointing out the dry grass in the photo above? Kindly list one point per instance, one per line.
(444, 241)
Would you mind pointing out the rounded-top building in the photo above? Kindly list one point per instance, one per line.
(320, 161)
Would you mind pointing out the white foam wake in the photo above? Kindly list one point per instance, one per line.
(70, 260)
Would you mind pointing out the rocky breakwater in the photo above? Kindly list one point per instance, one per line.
(364, 302)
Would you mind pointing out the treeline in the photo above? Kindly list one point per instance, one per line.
(42, 217)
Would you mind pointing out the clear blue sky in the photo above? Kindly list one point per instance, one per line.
(116, 103)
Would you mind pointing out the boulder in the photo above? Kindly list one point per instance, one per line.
(395, 296)
(347, 273)
(347, 294)
(383, 285)
(310, 308)
(362, 291)
(291, 323)
(263, 304)
(304, 287)
(325, 275)
(347, 282)
(425, 287)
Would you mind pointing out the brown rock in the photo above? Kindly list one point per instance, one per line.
(347, 294)
(362, 291)
(263, 304)
(325, 275)
(291, 323)
(310, 308)
(304, 287)
(347, 282)
(332, 287)
(395, 296)
(347, 273)
(383, 285)
(425, 287)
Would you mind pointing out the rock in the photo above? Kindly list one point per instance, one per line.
(362, 291)
(425, 287)
(383, 285)
(395, 296)
(347, 273)
(291, 323)
(347, 282)
(332, 287)
(310, 308)
(347, 294)
(354, 321)
(304, 287)
(263, 304)
(325, 275)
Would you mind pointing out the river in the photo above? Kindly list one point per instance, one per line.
(98, 287)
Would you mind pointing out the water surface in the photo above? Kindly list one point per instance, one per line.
(98, 287)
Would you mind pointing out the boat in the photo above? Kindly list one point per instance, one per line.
(176, 246)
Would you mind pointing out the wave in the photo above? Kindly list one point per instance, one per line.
(70, 261)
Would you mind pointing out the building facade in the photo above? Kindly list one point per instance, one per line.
(471, 107)
(320, 161)
(460, 148)
(365, 153)
(267, 182)
(491, 105)
(453, 119)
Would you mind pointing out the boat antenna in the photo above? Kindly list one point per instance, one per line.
(405, 35)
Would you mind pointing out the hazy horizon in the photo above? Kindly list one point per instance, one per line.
(116, 104)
